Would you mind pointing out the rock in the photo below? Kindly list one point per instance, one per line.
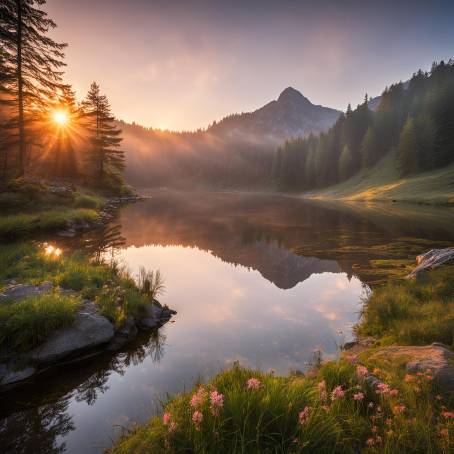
(150, 323)
(435, 357)
(20, 291)
(89, 330)
(8, 374)
(126, 333)
(432, 259)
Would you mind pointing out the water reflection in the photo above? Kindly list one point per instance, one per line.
(259, 279)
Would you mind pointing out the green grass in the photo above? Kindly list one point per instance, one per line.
(19, 225)
(111, 288)
(413, 312)
(267, 419)
(25, 324)
(382, 183)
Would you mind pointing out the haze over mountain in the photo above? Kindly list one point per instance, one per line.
(235, 150)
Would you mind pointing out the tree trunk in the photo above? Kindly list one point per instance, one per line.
(20, 89)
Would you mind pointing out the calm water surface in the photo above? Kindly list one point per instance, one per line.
(259, 279)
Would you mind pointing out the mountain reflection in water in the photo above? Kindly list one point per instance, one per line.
(260, 279)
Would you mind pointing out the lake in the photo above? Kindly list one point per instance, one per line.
(269, 281)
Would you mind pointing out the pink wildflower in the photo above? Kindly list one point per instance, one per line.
(198, 398)
(394, 392)
(408, 378)
(326, 408)
(370, 442)
(217, 402)
(370, 405)
(172, 426)
(304, 415)
(397, 409)
(447, 414)
(388, 421)
(253, 383)
(382, 388)
(429, 377)
(166, 418)
(197, 419)
(361, 371)
(444, 432)
(358, 396)
(376, 371)
(337, 393)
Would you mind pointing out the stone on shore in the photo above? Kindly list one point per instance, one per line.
(16, 292)
(432, 259)
(89, 330)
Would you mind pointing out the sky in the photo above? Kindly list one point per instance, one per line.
(180, 64)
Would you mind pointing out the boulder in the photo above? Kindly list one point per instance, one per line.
(435, 357)
(89, 330)
(19, 291)
(432, 259)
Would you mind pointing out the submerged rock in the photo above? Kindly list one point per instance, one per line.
(90, 329)
(19, 291)
(432, 259)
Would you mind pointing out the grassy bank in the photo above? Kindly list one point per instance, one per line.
(382, 183)
(27, 323)
(332, 408)
(30, 208)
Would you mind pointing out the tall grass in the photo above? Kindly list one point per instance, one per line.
(151, 283)
(413, 312)
(332, 410)
(27, 323)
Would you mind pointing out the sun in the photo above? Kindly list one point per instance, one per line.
(60, 117)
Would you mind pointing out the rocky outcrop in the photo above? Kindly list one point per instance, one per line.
(15, 292)
(435, 358)
(432, 259)
(89, 330)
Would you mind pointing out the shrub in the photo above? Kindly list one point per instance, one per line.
(150, 283)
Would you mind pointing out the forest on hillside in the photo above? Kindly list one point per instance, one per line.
(415, 119)
(44, 131)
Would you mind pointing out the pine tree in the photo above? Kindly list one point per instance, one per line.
(369, 148)
(345, 163)
(64, 161)
(105, 155)
(407, 149)
(36, 61)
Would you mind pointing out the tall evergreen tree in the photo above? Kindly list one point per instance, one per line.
(369, 148)
(64, 161)
(345, 163)
(35, 60)
(105, 155)
(407, 149)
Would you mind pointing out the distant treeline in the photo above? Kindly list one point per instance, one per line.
(416, 119)
(43, 130)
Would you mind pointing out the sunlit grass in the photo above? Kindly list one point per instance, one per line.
(413, 312)
(27, 323)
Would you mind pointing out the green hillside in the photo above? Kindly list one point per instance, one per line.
(382, 183)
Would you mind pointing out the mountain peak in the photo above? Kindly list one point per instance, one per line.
(292, 95)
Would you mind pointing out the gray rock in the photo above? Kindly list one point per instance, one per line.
(8, 375)
(149, 323)
(19, 291)
(89, 330)
(153, 311)
(126, 333)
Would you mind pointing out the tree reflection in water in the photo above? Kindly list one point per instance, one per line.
(40, 425)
